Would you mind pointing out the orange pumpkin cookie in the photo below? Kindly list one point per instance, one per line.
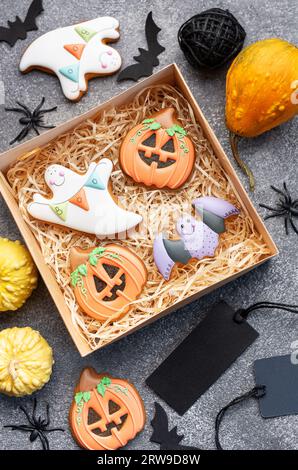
(106, 412)
(158, 152)
(106, 279)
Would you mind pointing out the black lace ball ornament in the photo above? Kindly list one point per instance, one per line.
(211, 38)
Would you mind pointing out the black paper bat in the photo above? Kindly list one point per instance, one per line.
(168, 440)
(147, 58)
(18, 29)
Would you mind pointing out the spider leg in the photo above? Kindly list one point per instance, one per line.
(274, 215)
(16, 110)
(25, 108)
(36, 110)
(269, 208)
(43, 111)
(35, 128)
(277, 190)
(44, 440)
(293, 225)
(286, 225)
(27, 415)
(55, 429)
(293, 211)
(21, 135)
(287, 191)
(45, 127)
(20, 427)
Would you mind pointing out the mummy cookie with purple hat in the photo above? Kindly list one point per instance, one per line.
(83, 201)
(198, 238)
(75, 54)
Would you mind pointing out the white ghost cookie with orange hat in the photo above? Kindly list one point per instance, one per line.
(75, 54)
(83, 201)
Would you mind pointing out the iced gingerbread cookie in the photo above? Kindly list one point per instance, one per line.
(106, 279)
(158, 152)
(106, 413)
(83, 202)
(75, 54)
(199, 238)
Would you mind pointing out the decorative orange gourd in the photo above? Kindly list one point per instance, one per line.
(158, 152)
(261, 91)
(106, 279)
(106, 412)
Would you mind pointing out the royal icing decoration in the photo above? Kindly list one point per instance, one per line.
(106, 412)
(158, 152)
(199, 238)
(106, 280)
(75, 53)
(83, 202)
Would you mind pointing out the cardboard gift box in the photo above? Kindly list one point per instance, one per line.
(169, 75)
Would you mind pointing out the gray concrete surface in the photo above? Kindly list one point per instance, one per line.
(273, 158)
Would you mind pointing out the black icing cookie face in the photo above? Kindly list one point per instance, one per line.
(76, 53)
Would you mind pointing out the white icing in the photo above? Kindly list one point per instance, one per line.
(48, 52)
(104, 218)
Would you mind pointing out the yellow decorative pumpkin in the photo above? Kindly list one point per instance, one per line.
(261, 91)
(26, 361)
(18, 275)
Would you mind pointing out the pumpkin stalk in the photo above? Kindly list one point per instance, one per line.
(234, 139)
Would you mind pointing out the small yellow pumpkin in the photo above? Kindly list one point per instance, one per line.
(261, 91)
(18, 275)
(26, 361)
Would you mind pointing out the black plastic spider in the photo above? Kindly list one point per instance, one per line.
(286, 207)
(31, 120)
(37, 426)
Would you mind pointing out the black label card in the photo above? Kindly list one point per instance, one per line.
(201, 358)
(280, 377)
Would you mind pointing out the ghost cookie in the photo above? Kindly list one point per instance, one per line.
(106, 280)
(106, 413)
(82, 201)
(75, 54)
(198, 238)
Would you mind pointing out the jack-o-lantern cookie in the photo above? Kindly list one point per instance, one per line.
(106, 280)
(75, 54)
(83, 201)
(158, 152)
(106, 412)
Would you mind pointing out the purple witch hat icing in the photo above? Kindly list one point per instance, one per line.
(198, 238)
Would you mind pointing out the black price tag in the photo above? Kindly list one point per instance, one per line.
(280, 377)
(201, 358)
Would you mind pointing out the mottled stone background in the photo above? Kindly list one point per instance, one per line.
(273, 158)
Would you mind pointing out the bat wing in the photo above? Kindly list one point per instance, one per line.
(213, 211)
(8, 35)
(151, 32)
(135, 71)
(168, 440)
(160, 425)
(34, 11)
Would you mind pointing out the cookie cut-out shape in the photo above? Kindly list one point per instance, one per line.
(106, 412)
(57, 50)
(106, 280)
(18, 29)
(83, 201)
(168, 440)
(199, 238)
(158, 152)
(147, 59)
